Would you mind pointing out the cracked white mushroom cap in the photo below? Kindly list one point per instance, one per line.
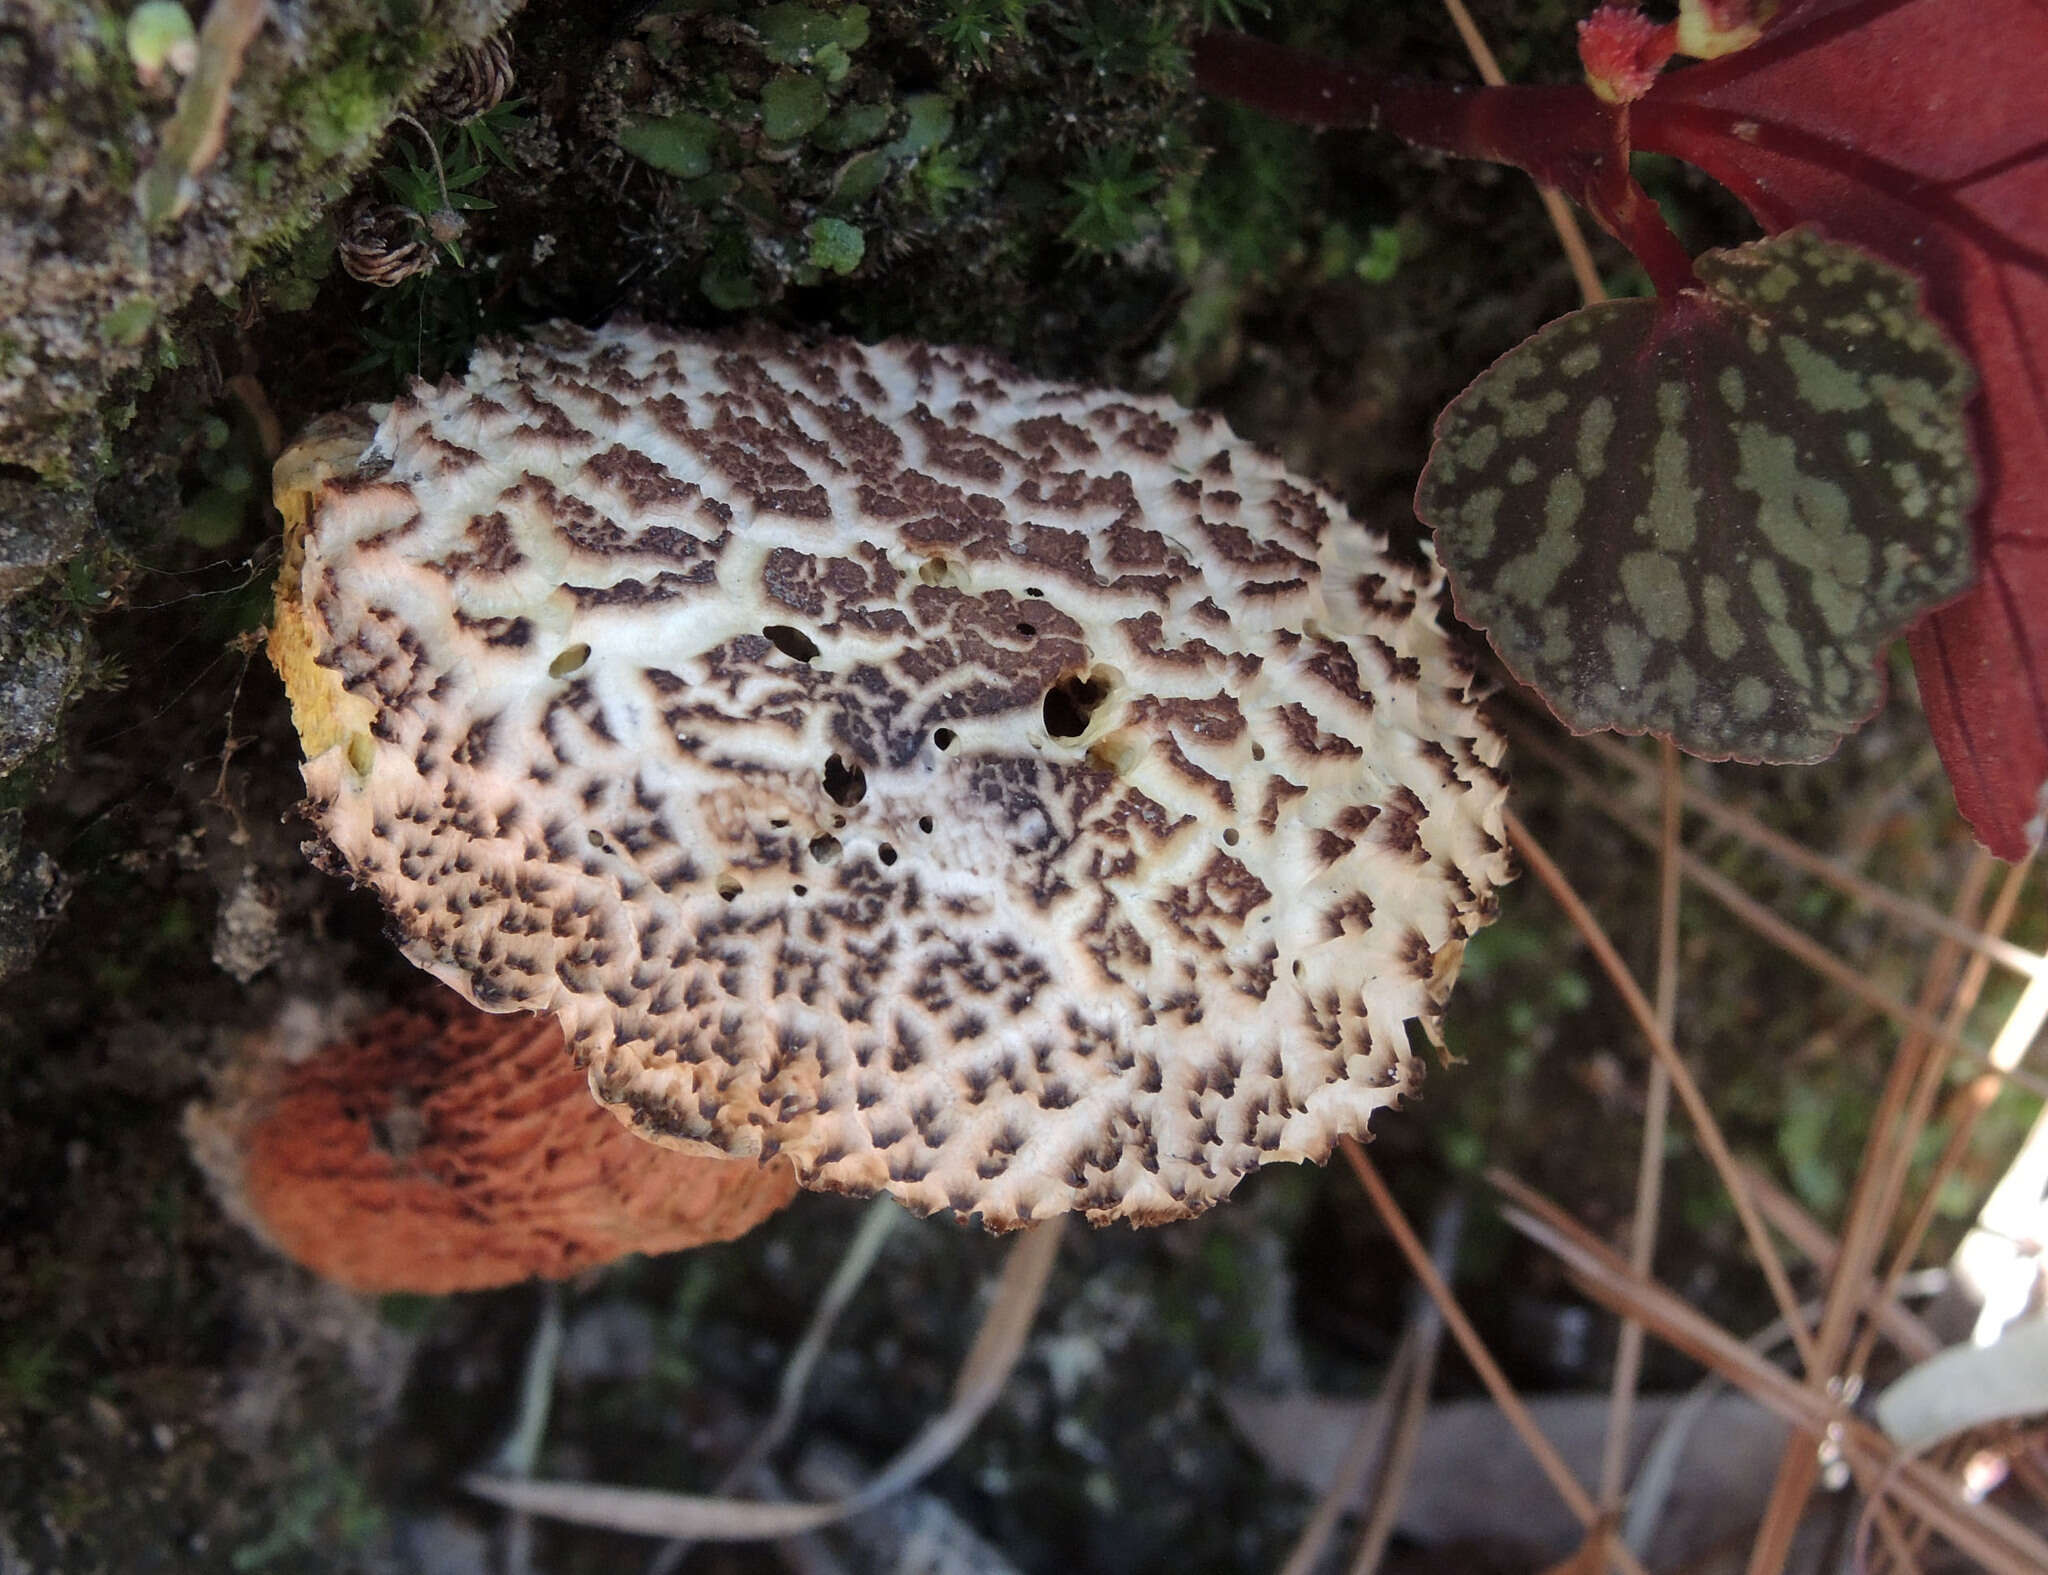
(1016, 796)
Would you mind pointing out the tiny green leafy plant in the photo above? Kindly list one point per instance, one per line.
(1800, 461)
(440, 189)
(1111, 201)
(425, 327)
(825, 147)
(975, 31)
(426, 323)
(481, 138)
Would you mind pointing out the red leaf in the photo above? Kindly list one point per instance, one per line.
(1918, 130)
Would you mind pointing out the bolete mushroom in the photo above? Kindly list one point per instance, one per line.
(1017, 796)
(436, 1148)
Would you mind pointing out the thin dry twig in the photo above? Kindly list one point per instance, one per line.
(997, 1345)
(1569, 236)
(1425, 1336)
(1934, 1059)
(519, 1453)
(1382, 1446)
(1628, 1356)
(880, 1219)
(1545, 1453)
(1650, 1174)
(1787, 938)
(1704, 1125)
(1978, 1530)
(1873, 1200)
(1362, 1458)
(248, 389)
(198, 126)
(1966, 1106)
(1906, 1330)
(1395, 1457)
(1785, 850)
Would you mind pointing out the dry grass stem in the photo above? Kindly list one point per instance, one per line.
(1889, 1317)
(1545, 1453)
(1921, 1067)
(1788, 938)
(1384, 1444)
(1832, 872)
(997, 1345)
(193, 136)
(1927, 1090)
(1628, 1356)
(1363, 1457)
(1979, 1531)
(1966, 1106)
(1570, 237)
(1704, 1125)
(882, 1216)
(1420, 1341)
(1887, 1147)
(1396, 1456)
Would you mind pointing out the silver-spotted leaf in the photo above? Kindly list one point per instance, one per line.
(1705, 518)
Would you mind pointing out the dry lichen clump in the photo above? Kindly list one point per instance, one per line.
(436, 1148)
(1017, 796)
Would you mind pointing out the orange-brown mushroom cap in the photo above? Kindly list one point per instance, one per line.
(437, 1148)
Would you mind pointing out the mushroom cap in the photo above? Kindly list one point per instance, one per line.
(437, 1148)
(1017, 796)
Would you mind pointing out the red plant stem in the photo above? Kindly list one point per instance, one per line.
(1563, 136)
(1626, 212)
(1500, 124)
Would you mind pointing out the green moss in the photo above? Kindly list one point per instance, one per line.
(674, 144)
(129, 323)
(29, 1374)
(836, 246)
(1109, 203)
(975, 31)
(292, 281)
(761, 121)
(426, 327)
(791, 106)
(797, 35)
(300, 115)
(342, 108)
(727, 280)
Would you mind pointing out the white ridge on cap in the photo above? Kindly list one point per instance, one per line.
(1017, 796)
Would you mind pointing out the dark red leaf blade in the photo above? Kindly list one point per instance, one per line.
(1918, 130)
(1705, 518)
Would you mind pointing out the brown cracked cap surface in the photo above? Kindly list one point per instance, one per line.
(437, 1148)
(1016, 796)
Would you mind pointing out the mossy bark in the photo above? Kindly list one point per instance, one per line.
(95, 271)
(88, 284)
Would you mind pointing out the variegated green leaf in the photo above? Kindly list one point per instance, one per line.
(1705, 518)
